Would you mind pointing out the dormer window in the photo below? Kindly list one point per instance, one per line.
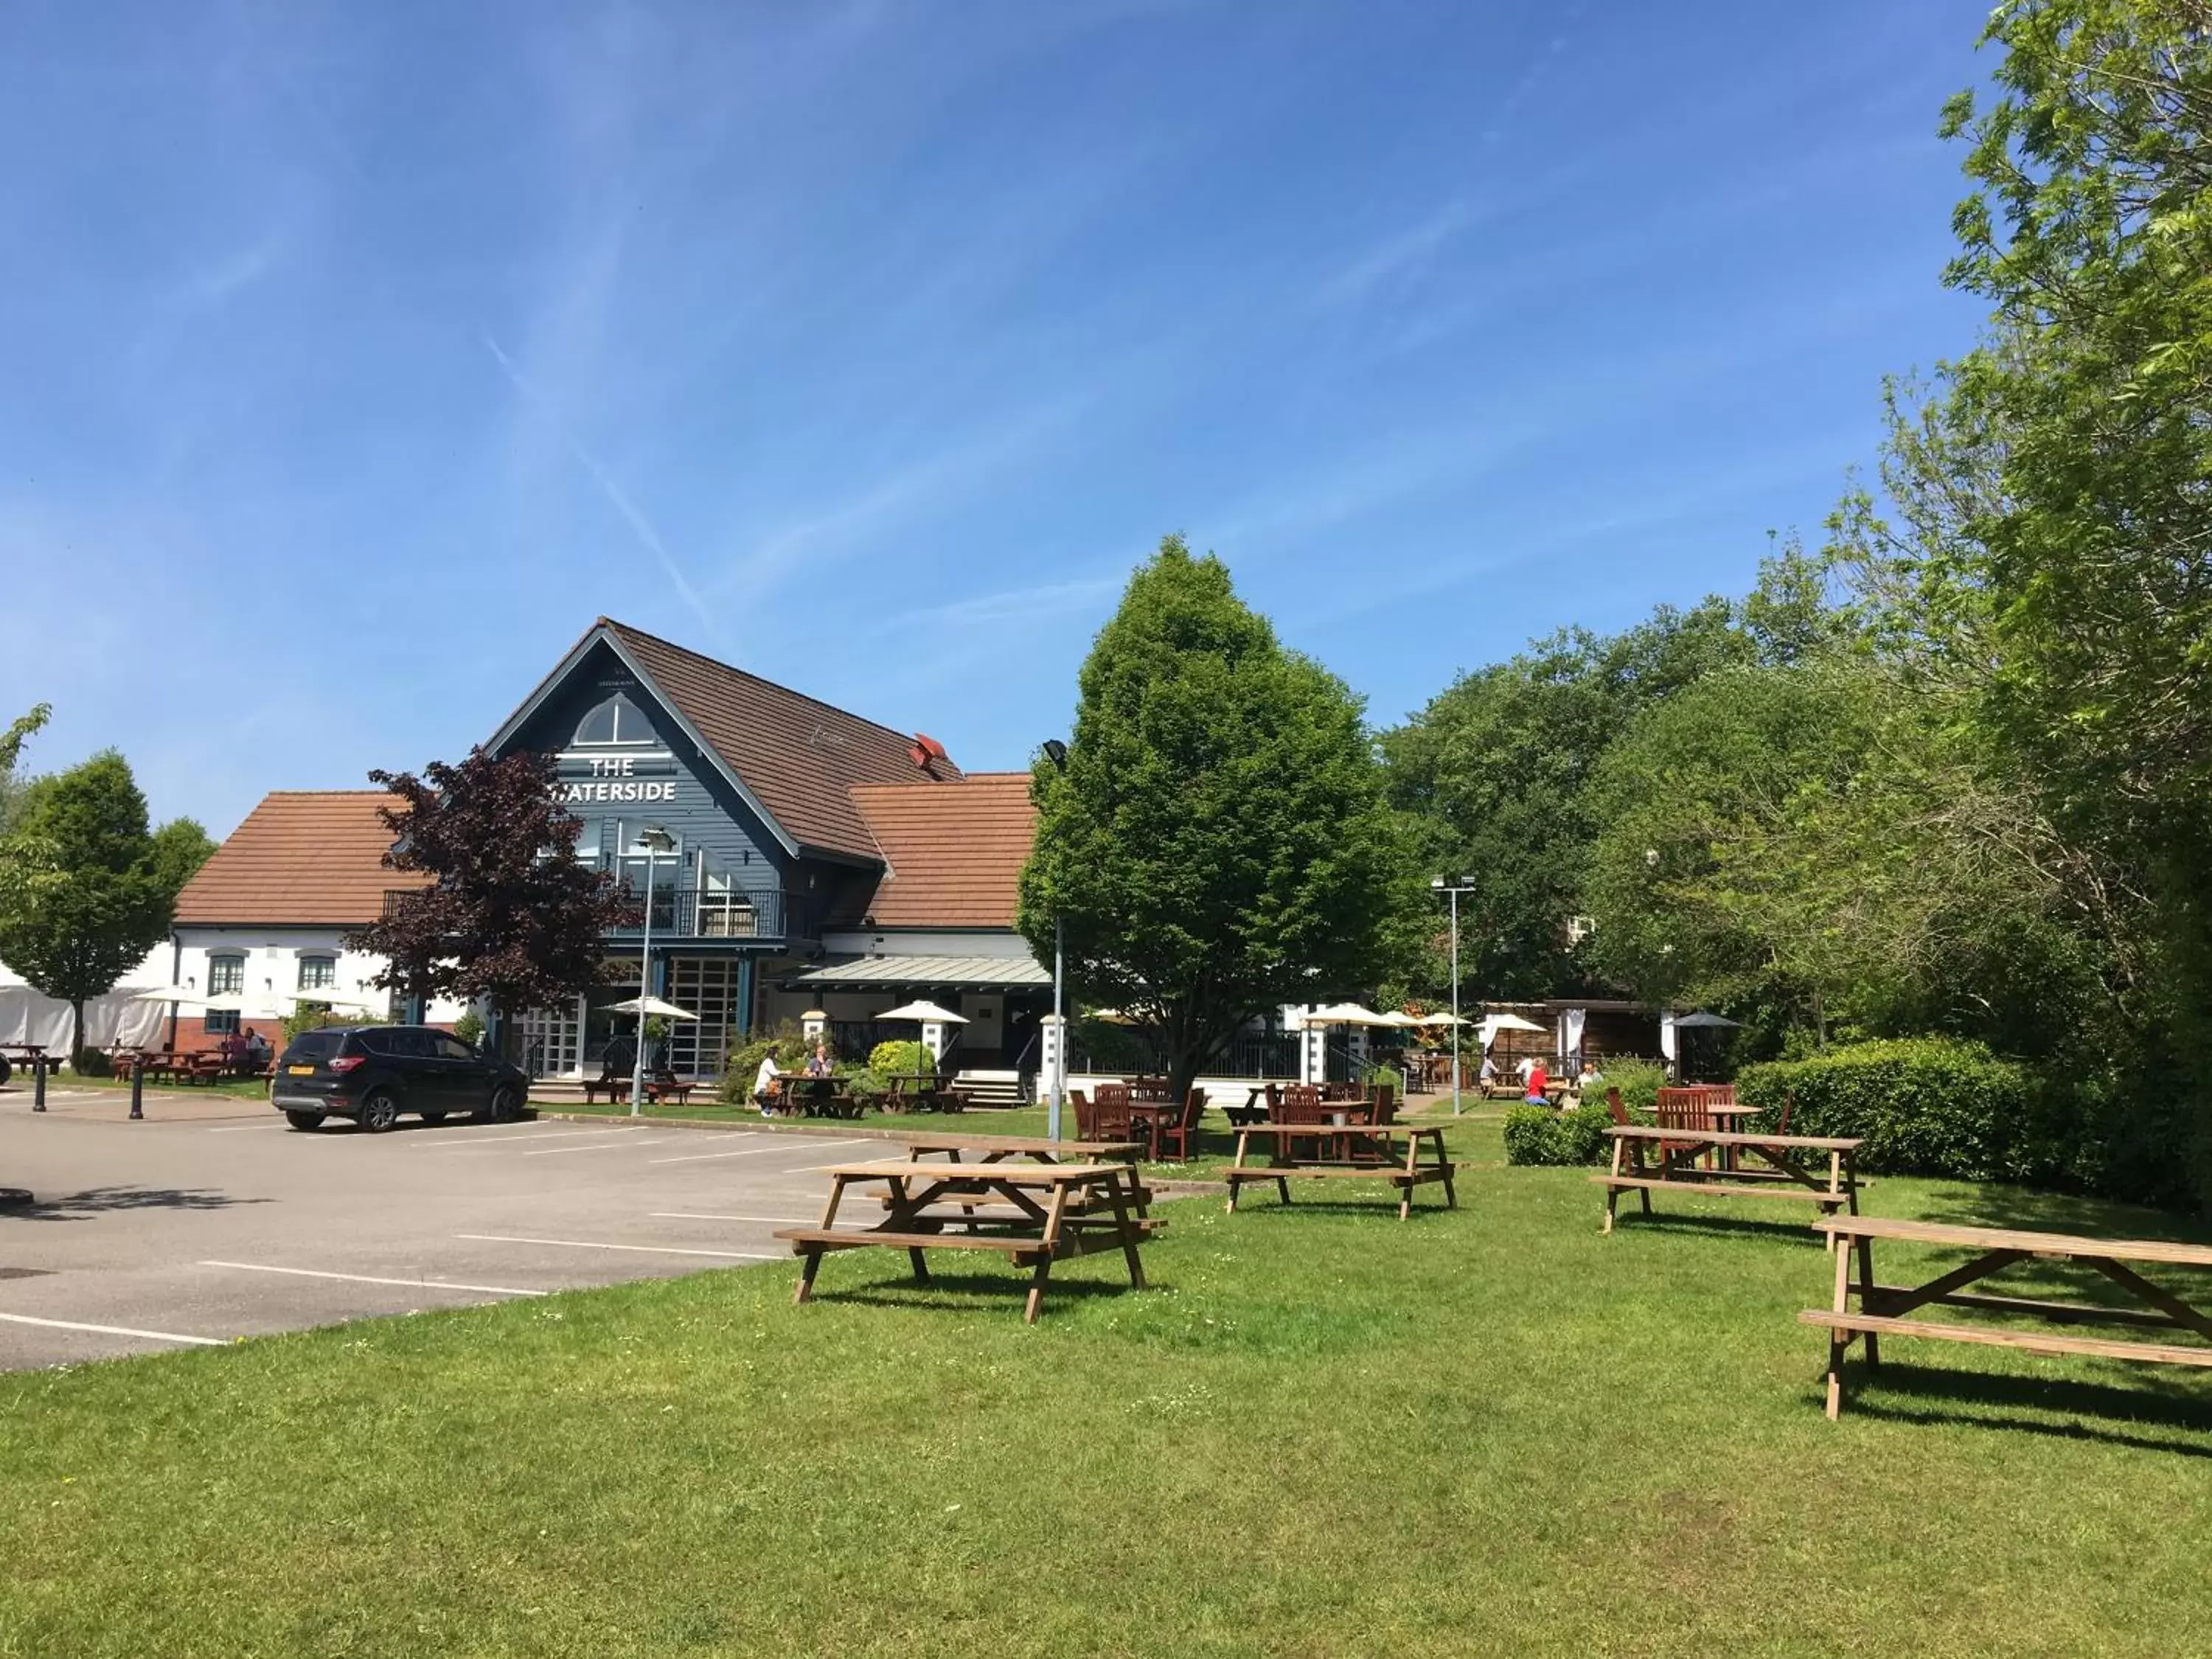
(617, 720)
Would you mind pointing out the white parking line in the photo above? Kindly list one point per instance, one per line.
(604, 1146)
(642, 1249)
(520, 1131)
(688, 1215)
(115, 1330)
(811, 1146)
(368, 1278)
(244, 1128)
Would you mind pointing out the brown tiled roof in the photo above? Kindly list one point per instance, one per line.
(956, 851)
(802, 759)
(302, 856)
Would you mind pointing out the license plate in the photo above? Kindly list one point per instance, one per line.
(301, 1071)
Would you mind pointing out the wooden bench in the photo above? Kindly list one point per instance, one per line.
(1039, 1214)
(1883, 1308)
(614, 1088)
(1344, 1151)
(1677, 1169)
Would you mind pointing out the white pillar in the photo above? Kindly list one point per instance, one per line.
(1313, 1054)
(815, 1025)
(1052, 1056)
(932, 1038)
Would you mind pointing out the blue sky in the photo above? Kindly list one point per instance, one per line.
(354, 358)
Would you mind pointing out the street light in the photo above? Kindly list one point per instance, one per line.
(653, 841)
(1056, 752)
(1461, 885)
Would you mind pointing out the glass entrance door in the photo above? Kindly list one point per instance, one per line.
(550, 1040)
(707, 987)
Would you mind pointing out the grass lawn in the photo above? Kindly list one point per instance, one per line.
(235, 1088)
(1323, 1433)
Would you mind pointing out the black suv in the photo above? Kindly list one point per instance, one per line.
(372, 1073)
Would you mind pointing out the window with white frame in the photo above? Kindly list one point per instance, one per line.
(219, 1022)
(319, 973)
(227, 976)
(616, 720)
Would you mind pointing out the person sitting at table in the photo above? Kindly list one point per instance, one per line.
(1527, 1065)
(1537, 1081)
(764, 1083)
(232, 1049)
(818, 1064)
(257, 1050)
(1488, 1074)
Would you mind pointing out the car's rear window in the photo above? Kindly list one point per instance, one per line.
(314, 1045)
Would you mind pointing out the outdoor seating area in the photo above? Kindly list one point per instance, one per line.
(1337, 1148)
(1032, 1212)
(188, 1066)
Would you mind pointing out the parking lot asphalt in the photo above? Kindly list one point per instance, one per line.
(212, 1219)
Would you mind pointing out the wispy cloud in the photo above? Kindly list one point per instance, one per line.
(1405, 254)
(631, 513)
(1014, 607)
(238, 268)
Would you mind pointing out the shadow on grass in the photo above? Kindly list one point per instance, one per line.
(107, 1200)
(2030, 1210)
(1008, 1289)
(2118, 1415)
(1765, 1228)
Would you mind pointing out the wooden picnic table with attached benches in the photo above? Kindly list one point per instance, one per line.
(1034, 1214)
(1343, 1150)
(1677, 1169)
(1883, 1308)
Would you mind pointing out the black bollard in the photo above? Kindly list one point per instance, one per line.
(38, 1083)
(138, 1088)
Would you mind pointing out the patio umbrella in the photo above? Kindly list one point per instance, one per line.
(1399, 1018)
(1440, 1020)
(650, 1005)
(926, 1014)
(176, 994)
(1342, 1013)
(1701, 1021)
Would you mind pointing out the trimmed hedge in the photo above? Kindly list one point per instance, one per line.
(1932, 1106)
(1537, 1134)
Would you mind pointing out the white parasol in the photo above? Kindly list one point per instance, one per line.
(650, 1005)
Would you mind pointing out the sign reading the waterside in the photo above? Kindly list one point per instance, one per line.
(616, 778)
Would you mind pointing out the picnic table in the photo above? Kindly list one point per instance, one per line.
(1034, 1214)
(1883, 1308)
(996, 1149)
(1343, 1150)
(922, 1091)
(795, 1094)
(1781, 1175)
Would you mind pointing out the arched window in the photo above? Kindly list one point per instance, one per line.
(616, 720)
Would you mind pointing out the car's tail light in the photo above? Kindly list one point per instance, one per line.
(343, 1063)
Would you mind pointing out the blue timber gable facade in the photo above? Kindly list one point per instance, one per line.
(646, 735)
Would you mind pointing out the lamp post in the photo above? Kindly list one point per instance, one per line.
(1056, 752)
(653, 841)
(1455, 888)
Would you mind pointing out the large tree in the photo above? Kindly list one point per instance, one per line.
(105, 887)
(1494, 774)
(1219, 843)
(509, 914)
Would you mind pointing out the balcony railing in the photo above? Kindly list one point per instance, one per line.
(700, 913)
(708, 913)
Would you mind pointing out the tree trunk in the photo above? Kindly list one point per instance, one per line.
(76, 1033)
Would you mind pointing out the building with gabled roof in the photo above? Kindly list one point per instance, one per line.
(819, 860)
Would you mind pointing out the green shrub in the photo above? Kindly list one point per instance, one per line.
(1932, 1106)
(1537, 1134)
(1638, 1080)
(469, 1027)
(91, 1063)
(1528, 1137)
(910, 1058)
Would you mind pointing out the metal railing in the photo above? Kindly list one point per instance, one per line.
(695, 913)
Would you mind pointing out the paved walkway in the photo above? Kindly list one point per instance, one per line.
(212, 1219)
